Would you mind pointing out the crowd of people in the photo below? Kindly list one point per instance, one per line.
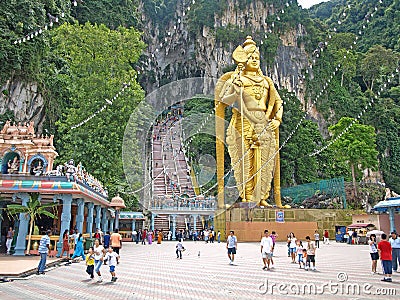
(388, 251)
(106, 249)
(181, 202)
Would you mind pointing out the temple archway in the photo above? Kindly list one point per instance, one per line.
(9, 157)
(35, 163)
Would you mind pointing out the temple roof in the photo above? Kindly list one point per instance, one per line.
(48, 187)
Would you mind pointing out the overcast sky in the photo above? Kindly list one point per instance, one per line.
(309, 3)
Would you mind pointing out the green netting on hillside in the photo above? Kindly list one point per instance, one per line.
(333, 187)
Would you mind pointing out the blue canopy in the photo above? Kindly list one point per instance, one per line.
(383, 206)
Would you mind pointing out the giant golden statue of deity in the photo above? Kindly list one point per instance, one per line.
(252, 136)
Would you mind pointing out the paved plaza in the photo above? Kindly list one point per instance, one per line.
(153, 272)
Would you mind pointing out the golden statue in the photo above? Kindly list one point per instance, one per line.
(253, 133)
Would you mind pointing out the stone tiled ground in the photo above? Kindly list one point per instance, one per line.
(153, 272)
(15, 265)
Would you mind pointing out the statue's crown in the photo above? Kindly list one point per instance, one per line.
(249, 41)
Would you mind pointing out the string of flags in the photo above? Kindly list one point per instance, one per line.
(41, 30)
(108, 102)
(358, 117)
(152, 53)
(52, 19)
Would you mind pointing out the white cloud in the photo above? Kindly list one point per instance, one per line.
(309, 3)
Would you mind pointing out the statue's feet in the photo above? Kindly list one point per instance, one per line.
(283, 206)
(264, 203)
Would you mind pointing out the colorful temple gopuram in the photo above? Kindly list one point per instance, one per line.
(26, 161)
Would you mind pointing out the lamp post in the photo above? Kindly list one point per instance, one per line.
(117, 203)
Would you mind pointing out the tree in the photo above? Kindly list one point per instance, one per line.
(296, 166)
(34, 209)
(99, 62)
(357, 145)
(341, 49)
(378, 61)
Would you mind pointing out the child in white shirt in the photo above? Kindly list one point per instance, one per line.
(112, 258)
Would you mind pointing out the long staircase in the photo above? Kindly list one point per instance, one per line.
(173, 192)
(171, 172)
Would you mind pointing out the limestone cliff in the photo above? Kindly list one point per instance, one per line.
(179, 48)
(176, 51)
(24, 100)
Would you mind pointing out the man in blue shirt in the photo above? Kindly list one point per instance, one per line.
(44, 248)
(395, 243)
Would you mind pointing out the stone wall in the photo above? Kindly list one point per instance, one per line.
(299, 221)
(253, 231)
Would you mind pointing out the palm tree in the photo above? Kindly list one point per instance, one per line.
(34, 210)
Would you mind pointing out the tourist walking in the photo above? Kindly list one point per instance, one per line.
(99, 253)
(231, 245)
(90, 263)
(75, 236)
(134, 235)
(144, 237)
(304, 258)
(385, 254)
(316, 238)
(106, 239)
(159, 237)
(116, 241)
(79, 248)
(395, 243)
(179, 235)
(113, 260)
(99, 235)
(310, 254)
(179, 248)
(288, 245)
(206, 235)
(350, 236)
(266, 249)
(373, 251)
(211, 236)
(299, 252)
(65, 245)
(354, 237)
(44, 248)
(219, 236)
(273, 236)
(10, 236)
(292, 246)
(326, 237)
(150, 237)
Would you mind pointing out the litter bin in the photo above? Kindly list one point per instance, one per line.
(89, 242)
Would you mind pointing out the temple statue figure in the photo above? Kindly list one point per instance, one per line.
(252, 136)
(70, 170)
(13, 166)
(38, 170)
